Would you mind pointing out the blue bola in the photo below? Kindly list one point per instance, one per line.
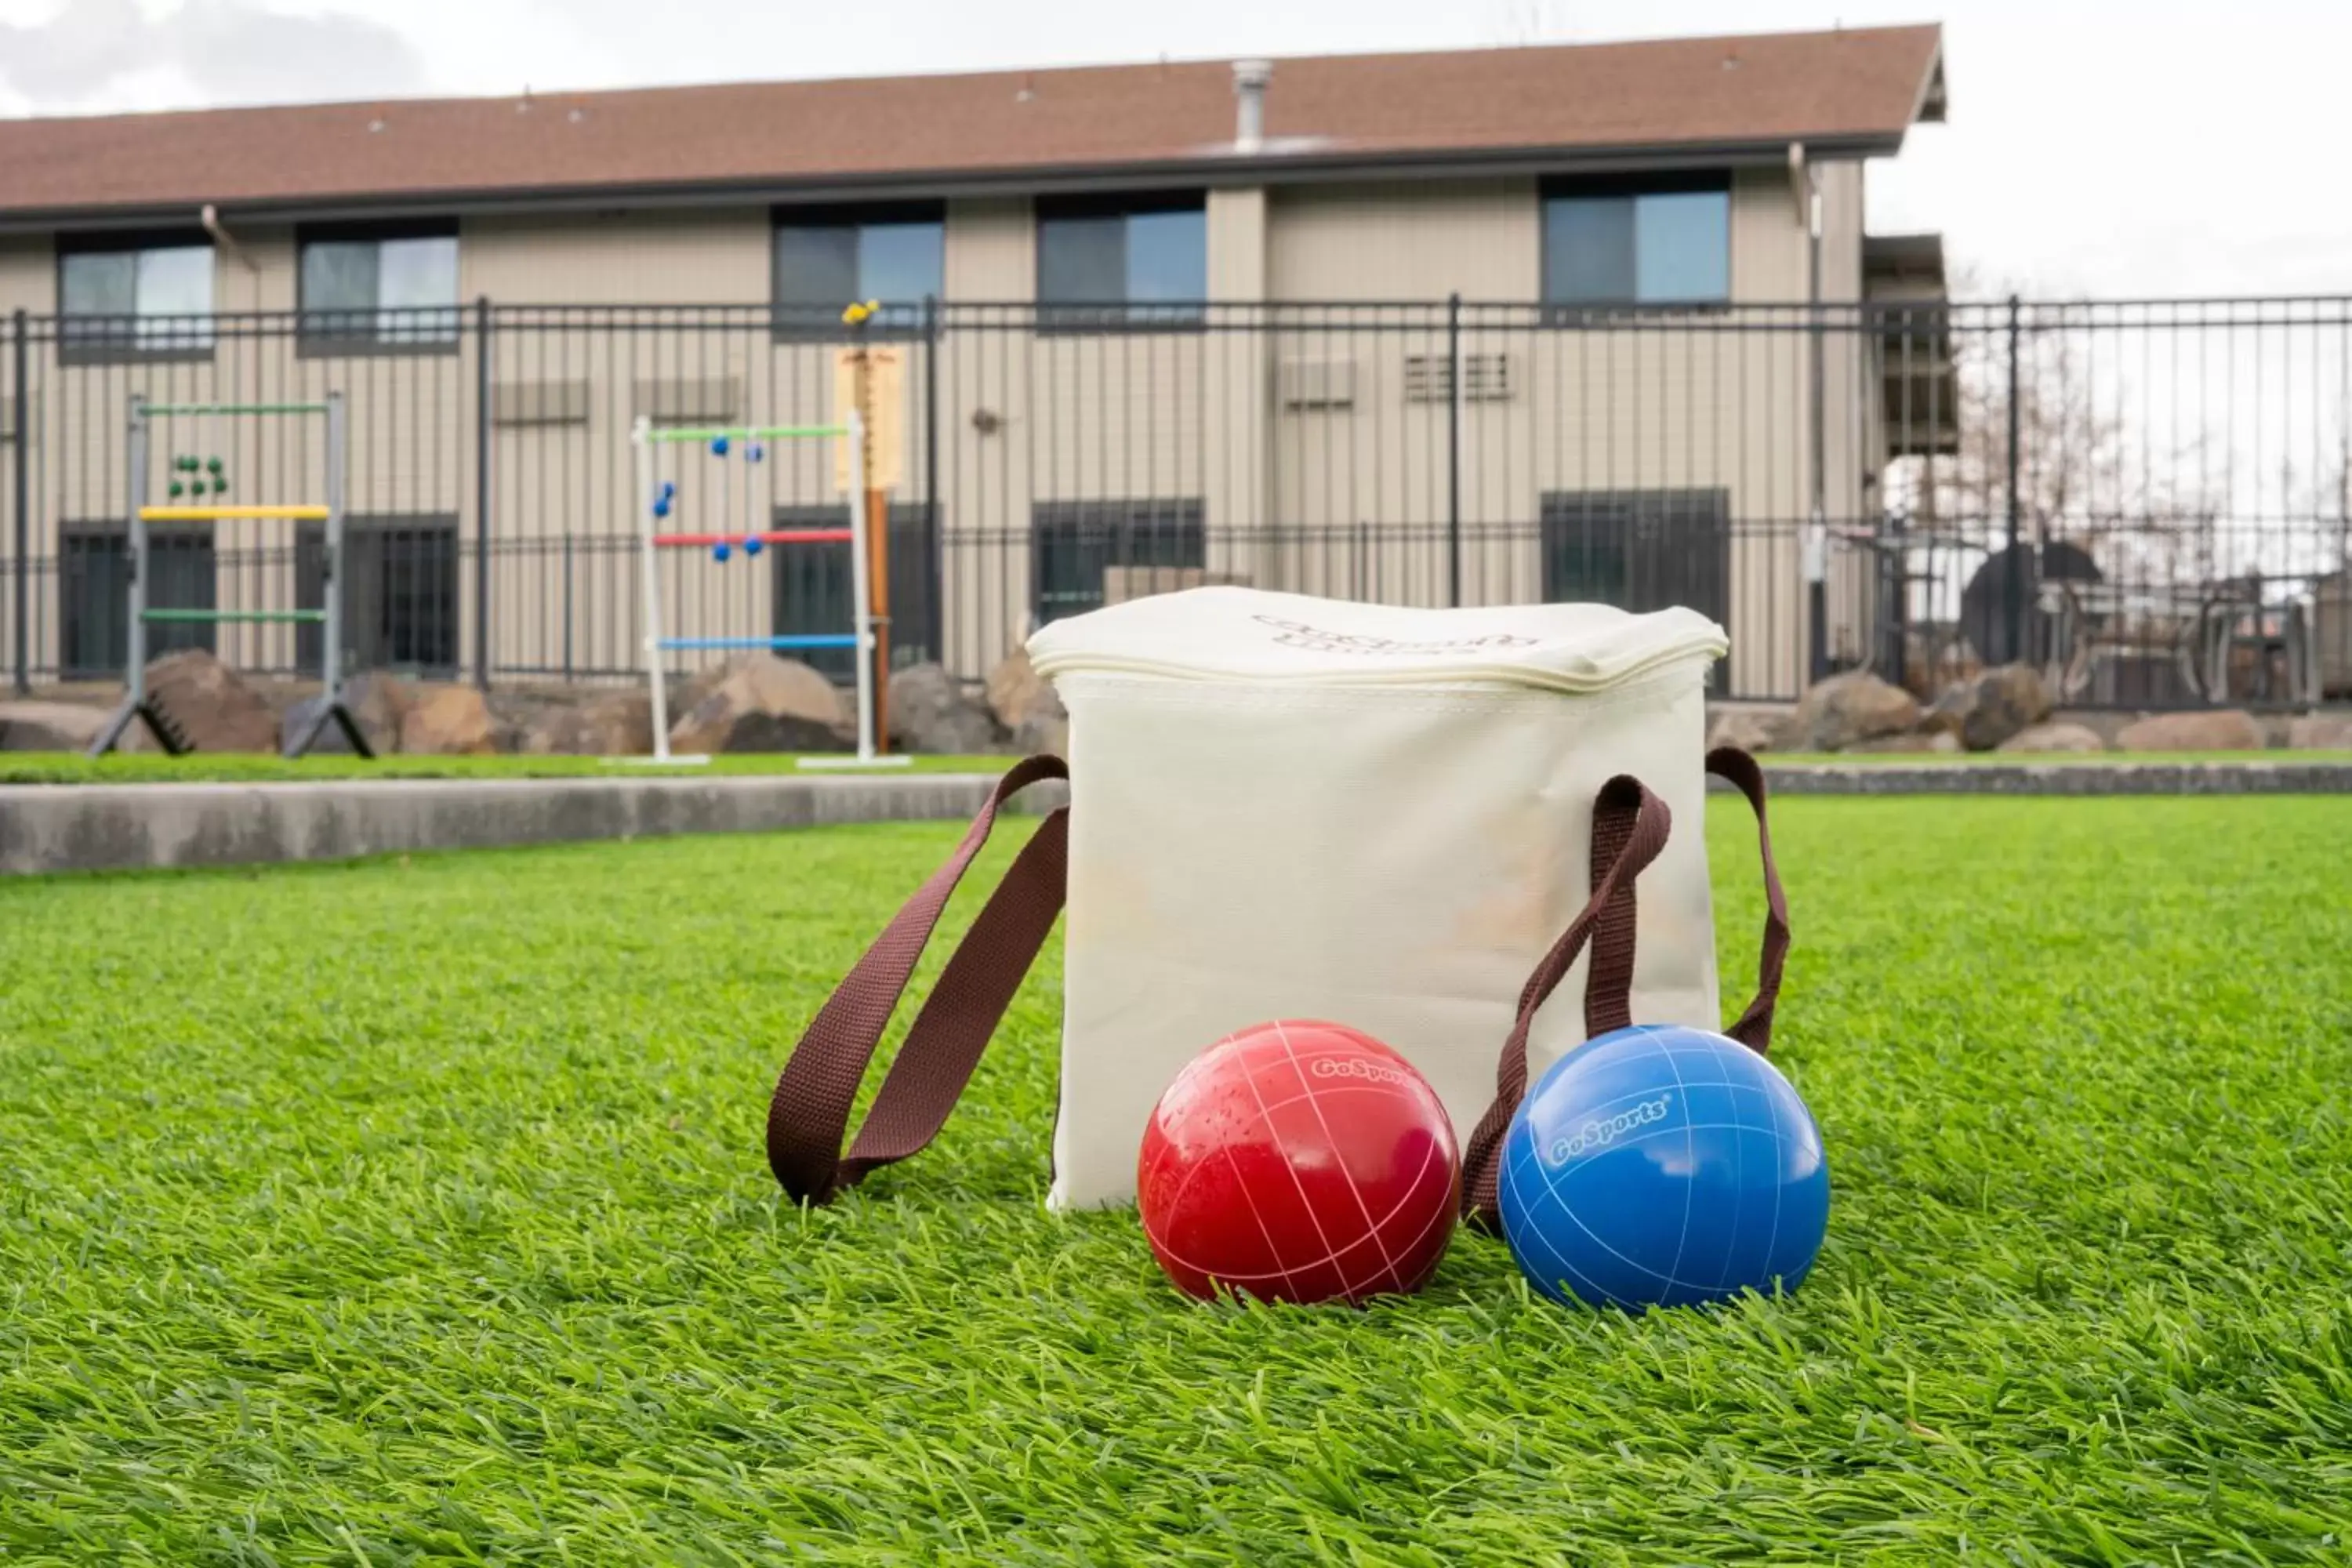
(1662, 1167)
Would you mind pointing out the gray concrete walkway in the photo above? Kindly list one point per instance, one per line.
(99, 827)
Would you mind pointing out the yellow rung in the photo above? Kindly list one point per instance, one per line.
(230, 513)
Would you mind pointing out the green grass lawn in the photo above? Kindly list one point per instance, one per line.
(254, 767)
(415, 1212)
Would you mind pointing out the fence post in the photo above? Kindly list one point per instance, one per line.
(934, 614)
(2013, 566)
(1817, 529)
(1454, 450)
(482, 492)
(567, 606)
(20, 420)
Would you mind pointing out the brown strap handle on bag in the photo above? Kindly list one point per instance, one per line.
(1754, 1027)
(819, 1084)
(1626, 815)
(1630, 827)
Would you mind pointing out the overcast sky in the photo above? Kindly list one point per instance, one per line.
(2095, 147)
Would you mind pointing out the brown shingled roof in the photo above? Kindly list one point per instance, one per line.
(1862, 88)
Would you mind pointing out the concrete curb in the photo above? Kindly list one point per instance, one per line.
(107, 827)
(2058, 778)
(110, 827)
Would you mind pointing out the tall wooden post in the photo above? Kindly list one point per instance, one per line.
(878, 529)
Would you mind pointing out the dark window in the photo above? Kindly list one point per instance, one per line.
(814, 589)
(136, 297)
(400, 593)
(827, 257)
(1665, 241)
(94, 587)
(1639, 550)
(379, 287)
(1137, 261)
(1081, 546)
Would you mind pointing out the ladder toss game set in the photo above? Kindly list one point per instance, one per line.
(192, 478)
(863, 475)
(658, 499)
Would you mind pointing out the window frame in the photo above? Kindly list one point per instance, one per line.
(111, 351)
(1663, 183)
(311, 343)
(182, 572)
(378, 547)
(808, 571)
(855, 216)
(1094, 319)
(1669, 545)
(1109, 529)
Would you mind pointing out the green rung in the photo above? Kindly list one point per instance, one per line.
(162, 410)
(747, 432)
(300, 616)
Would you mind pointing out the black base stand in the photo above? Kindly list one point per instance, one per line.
(333, 711)
(167, 734)
(175, 740)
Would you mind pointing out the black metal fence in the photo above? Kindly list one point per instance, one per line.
(2151, 499)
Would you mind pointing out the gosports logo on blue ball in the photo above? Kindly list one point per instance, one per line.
(1600, 1133)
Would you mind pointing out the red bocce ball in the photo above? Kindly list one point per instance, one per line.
(1298, 1162)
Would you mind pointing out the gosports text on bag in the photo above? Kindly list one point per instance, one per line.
(1423, 824)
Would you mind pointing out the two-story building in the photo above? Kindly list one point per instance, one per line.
(1574, 321)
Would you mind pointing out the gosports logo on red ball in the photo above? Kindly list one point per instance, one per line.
(1356, 1067)
(1600, 1133)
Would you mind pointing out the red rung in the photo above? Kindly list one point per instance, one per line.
(783, 536)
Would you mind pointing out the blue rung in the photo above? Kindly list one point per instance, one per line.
(838, 640)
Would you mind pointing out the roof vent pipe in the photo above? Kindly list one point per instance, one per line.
(1250, 78)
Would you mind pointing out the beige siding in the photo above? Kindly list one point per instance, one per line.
(27, 282)
(1850, 473)
(991, 250)
(1318, 454)
(986, 467)
(29, 274)
(1235, 459)
(1405, 241)
(1587, 412)
(717, 258)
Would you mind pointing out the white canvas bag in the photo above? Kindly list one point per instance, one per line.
(1294, 807)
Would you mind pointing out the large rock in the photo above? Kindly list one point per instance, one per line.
(49, 726)
(758, 702)
(1044, 727)
(210, 706)
(1750, 730)
(448, 721)
(930, 712)
(1014, 687)
(2308, 732)
(1996, 704)
(1026, 707)
(378, 700)
(2054, 738)
(612, 724)
(2226, 730)
(1840, 713)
